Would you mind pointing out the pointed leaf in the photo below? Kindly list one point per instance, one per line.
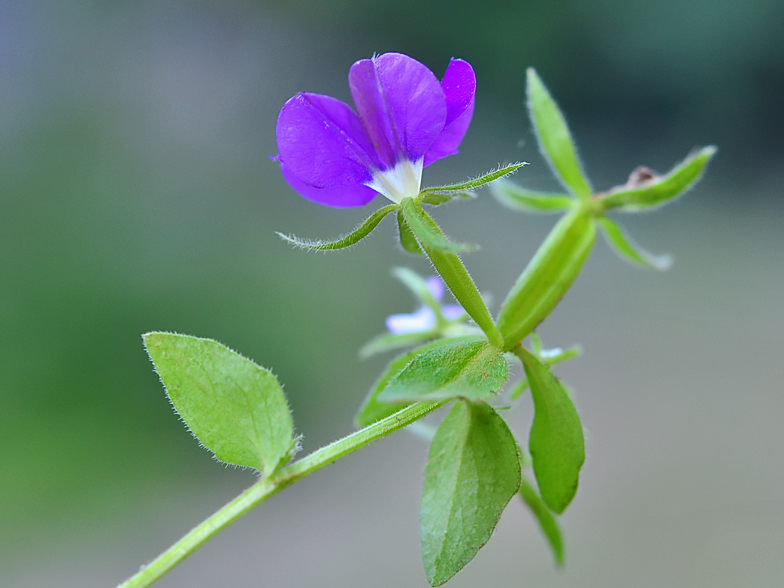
(436, 198)
(427, 233)
(468, 367)
(407, 239)
(391, 341)
(547, 522)
(352, 238)
(517, 198)
(554, 138)
(627, 249)
(234, 407)
(474, 183)
(473, 471)
(557, 443)
(659, 190)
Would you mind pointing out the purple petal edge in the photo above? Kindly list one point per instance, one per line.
(336, 197)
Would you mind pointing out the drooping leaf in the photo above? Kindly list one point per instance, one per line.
(627, 249)
(469, 185)
(547, 522)
(547, 277)
(557, 443)
(233, 406)
(548, 357)
(467, 367)
(427, 233)
(473, 471)
(407, 239)
(518, 198)
(352, 238)
(659, 190)
(555, 140)
(391, 341)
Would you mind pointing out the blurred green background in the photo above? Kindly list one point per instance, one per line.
(136, 194)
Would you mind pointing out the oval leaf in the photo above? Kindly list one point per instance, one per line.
(453, 368)
(234, 407)
(473, 471)
(547, 522)
(557, 443)
(555, 140)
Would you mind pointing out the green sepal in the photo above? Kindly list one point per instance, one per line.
(518, 198)
(436, 194)
(235, 408)
(556, 442)
(660, 189)
(547, 521)
(627, 249)
(547, 277)
(555, 140)
(352, 238)
(407, 239)
(473, 471)
(465, 367)
(427, 232)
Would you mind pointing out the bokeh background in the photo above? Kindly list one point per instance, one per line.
(136, 194)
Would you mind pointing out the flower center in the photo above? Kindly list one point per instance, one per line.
(401, 181)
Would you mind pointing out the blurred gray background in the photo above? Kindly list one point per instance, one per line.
(136, 194)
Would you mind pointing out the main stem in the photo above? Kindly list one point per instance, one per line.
(267, 487)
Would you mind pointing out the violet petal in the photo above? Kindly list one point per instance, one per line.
(338, 197)
(453, 312)
(436, 287)
(323, 143)
(459, 86)
(401, 103)
(420, 321)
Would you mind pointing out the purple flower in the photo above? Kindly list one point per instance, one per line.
(425, 319)
(406, 120)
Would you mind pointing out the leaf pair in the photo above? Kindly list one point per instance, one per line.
(235, 408)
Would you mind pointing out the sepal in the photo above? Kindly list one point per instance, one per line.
(518, 198)
(441, 194)
(427, 232)
(627, 249)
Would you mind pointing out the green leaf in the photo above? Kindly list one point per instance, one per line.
(547, 522)
(468, 367)
(390, 341)
(352, 238)
(427, 232)
(234, 407)
(627, 249)
(407, 239)
(547, 277)
(557, 443)
(467, 186)
(659, 190)
(434, 199)
(418, 286)
(518, 389)
(554, 138)
(473, 471)
(517, 198)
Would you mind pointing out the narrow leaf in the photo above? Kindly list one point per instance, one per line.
(391, 341)
(436, 198)
(627, 249)
(554, 138)
(407, 239)
(234, 407)
(427, 233)
(517, 198)
(547, 522)
(474, 183)
(659, 190)
(352, 238)
(473, 471)
(418, 286)
(557, 443)
(468, 367)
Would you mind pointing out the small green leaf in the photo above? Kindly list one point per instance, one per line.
(407, 239)
(352, 238)
(468, 367)
(418, 286)
(234, 407)
(517, 198)
(627, 249)
(659, 190)
(473, 471)
(557, 443)
(554, 138)
(467, 186)
(547, 277)
(427, 232)
(436, 198)
(390, 341)
(547, 522)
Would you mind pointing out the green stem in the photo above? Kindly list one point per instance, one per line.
(267, 487)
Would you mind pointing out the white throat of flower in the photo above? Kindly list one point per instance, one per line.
(401, 181)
